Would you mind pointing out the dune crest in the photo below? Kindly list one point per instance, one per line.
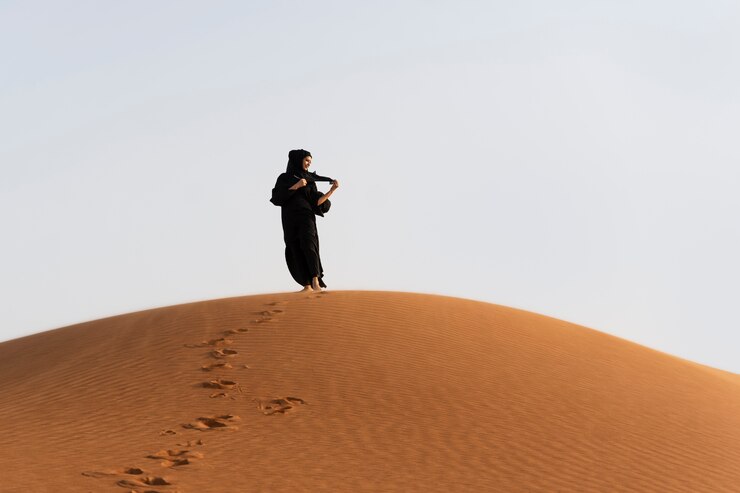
(358, 391)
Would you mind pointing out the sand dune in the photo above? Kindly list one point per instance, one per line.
(358, 391)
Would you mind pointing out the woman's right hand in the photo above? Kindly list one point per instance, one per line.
(299, 184)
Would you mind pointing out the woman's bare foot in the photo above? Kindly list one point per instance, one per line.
(306, 289)
(315, 284)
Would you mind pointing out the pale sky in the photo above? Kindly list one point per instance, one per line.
(577, 159)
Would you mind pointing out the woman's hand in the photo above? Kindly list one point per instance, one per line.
(299, 184)
(323, 198)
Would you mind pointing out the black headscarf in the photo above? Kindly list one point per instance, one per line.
(295, 162)
(295, 166)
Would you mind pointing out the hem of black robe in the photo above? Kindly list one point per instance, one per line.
(299, 271)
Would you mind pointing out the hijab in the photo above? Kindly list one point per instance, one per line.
(295, 166)
(295, 162)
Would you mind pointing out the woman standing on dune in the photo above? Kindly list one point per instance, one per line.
(300, 202)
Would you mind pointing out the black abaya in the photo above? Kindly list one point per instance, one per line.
(298, 214)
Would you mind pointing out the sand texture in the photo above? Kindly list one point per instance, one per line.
(358, 391)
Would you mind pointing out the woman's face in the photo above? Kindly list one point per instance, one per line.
(306, 163)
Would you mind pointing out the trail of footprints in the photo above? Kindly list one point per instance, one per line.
(185, 453)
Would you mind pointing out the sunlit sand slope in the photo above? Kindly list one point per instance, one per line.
(358, 391)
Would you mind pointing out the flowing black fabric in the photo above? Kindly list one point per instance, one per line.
(298, 213)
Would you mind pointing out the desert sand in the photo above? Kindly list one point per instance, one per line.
(358, 391)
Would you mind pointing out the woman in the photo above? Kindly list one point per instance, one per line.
(300, 202)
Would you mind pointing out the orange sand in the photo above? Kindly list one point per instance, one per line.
(358, 391)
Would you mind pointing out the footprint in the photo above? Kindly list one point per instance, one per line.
(167, 432)
(191, 443)
(175, 458)
(224, 395)
(223, 353)
(280, 405)
(175, 463)
(268, 313)
(221, 341)
(143, 482)
(135, 471)
(219, 384)
(221, 365)
(232, 332)
(155, 481)
(276, 303)
(175, 453)
(222, 422)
